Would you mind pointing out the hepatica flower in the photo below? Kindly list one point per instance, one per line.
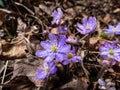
(88, 25)
(63, 30)
(47, 70)
(110, 51)
(113, 30)
(54, 48)
(72, 39)
(57, 16)
(71, 57)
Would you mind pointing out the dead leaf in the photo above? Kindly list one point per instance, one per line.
(12, 51)
(106, 18)
(94, 40)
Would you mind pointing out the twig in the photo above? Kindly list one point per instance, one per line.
(4, 73)
(30, 11)
(4, 10)
(85, 70)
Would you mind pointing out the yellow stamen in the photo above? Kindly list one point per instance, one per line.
(47, 70)
(69, 56)
(54, 48)
(111, 51)
(115, 29)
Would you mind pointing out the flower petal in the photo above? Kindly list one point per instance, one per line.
(84, 21)
(52, 37)
(64, 49)
(60, 57)
(117, 58)
(80, 27)
(46, 45)
(49, 58)
(41, 53)
(66, 62)
(102, 48)
(41, 74)
(62, 40)
(53, 70)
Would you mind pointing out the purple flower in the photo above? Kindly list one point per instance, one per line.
(62, 30)
(57, 16)
(113, 30)
(54, 48)
(110, 51)
(71, 39)
(108, 63)
(71, 57)
(88, 25)
(48, 69)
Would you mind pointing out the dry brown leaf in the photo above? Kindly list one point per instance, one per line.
(12, 51)
(75, 84)
(94, 40)
(28, 68)
(106, 18)
(54, 30)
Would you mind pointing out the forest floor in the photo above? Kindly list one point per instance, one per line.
(25, 23)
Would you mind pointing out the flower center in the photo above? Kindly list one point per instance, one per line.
(47, 70)
(69, 55)
(54, 48)
(111, 52)
(115, 29)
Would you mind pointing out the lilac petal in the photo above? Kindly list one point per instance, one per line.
(92, 20)
(46, 65)
(117, 50)
(40, 70)
(49, 58)
(114, 44)
(64, 49)
(52, 37)
(117, 58)
(76, 59)
(53, 22)
(53, 70)
(62, 40)
(66, 62)
(118, 29)
(104, 53)
(41, 75)
(60, 11)
(102, 48)
(111, 27)
(46, 45)
(80, 27)
(108, 45)
(108, 31)
(118, 26)
(84, 21)
(62, 29)
(54, 13)
(117, 33)
(60, 57)
(41, 53)
(79, 58)
(57, 21)
(101, 81)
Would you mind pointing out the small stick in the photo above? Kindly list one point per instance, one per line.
(4, 73)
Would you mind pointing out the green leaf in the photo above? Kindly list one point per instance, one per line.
(1, 3)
